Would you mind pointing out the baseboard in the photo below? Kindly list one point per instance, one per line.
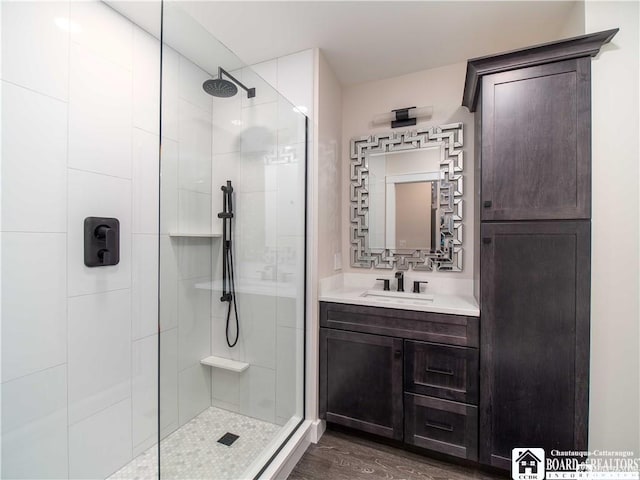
(318, 428)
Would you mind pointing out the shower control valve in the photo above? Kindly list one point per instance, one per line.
(101, 241)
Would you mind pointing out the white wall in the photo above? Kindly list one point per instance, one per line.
(78, 140)
(330, 176)
(614, 421)
(324, 179)
(574, 23)
(439, 87)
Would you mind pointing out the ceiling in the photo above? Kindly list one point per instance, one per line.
(364, 40)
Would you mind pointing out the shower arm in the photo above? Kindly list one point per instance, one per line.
(251, 92)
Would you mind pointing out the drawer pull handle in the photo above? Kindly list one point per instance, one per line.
(439, 371)
(439, 426)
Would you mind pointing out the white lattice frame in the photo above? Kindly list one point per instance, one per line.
(449, 257)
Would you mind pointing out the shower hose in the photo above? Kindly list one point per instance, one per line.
(232, 292)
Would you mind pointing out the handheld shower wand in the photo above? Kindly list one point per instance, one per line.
(228, 274)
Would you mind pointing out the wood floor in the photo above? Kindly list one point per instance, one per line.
(339, 456)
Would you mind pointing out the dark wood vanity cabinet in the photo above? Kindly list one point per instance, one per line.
(533, 154)
(405, 375)
(535, 337)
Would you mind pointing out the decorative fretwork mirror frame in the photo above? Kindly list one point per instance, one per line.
(449, 256)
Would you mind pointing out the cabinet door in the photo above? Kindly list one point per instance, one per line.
(534, 354)
(536, 147)
(361, 381)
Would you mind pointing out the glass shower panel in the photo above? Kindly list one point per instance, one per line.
(225, 410)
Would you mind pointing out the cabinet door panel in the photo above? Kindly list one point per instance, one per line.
(361, 381)
(534, 337)
(535, 142)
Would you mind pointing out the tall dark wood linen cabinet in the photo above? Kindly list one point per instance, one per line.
(533, 228)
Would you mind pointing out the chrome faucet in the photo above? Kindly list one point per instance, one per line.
(400, 277)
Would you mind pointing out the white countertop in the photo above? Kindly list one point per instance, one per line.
(442, 303)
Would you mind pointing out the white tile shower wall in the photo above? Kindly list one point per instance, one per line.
(194, 387)
(40, 64)
(168, 283)
(259, 145)
(146, 82)
(193, 322)
(99, 85)
(168, 381)
(103, 31)
(34, 192)
(101, 444)
(144, 286)
(145, 182)
(169, 186)
(34, 333)
(99, 352)
(80, 87)
(170, 92)
(144, 393)
(34, 431)
(194, 212)
(194, 139)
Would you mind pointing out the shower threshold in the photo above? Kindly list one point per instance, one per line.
(193, 451)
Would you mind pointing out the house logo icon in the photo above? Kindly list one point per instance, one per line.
(527, 464)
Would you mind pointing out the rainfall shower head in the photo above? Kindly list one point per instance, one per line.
(220, 88)
(225, 88)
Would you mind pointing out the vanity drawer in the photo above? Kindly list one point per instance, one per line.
(425, 326)
(440, 425)
(441, 371)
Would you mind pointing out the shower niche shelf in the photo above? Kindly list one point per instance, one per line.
(194, 235)
(225, 364)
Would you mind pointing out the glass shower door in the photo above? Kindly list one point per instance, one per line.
(231, 391)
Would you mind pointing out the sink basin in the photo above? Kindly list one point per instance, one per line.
(400, 298)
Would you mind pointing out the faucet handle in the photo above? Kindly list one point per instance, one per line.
(386, 283)
(416, 285)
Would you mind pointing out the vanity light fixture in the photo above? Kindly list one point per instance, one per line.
(403, 117)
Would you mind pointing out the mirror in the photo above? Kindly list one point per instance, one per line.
(406, 200)
(403, 204)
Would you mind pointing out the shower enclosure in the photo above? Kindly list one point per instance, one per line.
(185, 359)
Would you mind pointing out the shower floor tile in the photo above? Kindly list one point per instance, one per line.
(193, 451)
